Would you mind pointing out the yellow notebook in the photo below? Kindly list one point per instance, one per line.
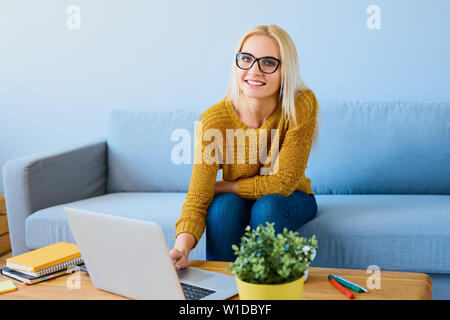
(45, 257)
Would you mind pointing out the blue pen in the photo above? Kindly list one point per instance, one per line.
(358, 286)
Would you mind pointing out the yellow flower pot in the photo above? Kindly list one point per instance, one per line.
(286, 291)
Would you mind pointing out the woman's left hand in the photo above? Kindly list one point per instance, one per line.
(223, 186)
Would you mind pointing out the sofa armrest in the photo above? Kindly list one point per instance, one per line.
(39, 181)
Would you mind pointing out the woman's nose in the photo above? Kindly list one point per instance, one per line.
(255, 68)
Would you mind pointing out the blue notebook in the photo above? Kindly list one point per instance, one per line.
(27, 279)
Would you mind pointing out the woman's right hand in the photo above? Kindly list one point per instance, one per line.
(180, 252)
(179, 258)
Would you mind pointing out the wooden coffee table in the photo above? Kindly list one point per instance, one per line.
(393, 285)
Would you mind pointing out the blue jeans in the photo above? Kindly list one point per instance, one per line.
(229, 214)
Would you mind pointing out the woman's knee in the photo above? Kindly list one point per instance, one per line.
(269, 208)
(226, 206)
(304, 206)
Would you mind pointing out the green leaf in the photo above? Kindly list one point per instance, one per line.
(266, 257)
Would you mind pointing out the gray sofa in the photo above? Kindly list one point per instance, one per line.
(380, 172)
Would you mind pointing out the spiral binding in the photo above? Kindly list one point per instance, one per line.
(60, 267)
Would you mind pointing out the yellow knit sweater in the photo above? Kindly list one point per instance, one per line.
(288, 171)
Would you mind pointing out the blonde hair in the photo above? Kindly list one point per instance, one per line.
(292, 84)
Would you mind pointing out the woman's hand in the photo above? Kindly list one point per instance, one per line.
(223, 186)
(180, 252)
(179, 258)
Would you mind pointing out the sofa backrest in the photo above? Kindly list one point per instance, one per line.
(363, 148)
(140, 150)
(382, 148)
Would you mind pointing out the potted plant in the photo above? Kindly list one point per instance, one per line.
(270, 266)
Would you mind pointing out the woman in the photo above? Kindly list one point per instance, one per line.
(266, 95)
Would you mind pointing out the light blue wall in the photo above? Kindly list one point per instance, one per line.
(57, 85)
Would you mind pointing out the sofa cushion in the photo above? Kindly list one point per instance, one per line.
(49, 225)
(140, 150)
(394, 232)
(381, 148)
(441, 286)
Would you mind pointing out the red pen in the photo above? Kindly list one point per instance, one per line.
(342, 289)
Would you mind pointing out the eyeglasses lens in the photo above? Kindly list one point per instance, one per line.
(267, 65)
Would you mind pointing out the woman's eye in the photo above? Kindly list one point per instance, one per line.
(269, 63)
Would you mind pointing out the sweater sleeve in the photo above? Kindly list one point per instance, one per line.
(201, 191)
(292, 157)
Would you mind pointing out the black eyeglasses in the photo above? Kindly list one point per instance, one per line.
(246, 60)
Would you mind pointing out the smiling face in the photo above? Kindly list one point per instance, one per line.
(260, 46)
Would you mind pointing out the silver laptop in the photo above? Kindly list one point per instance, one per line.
(130, 258)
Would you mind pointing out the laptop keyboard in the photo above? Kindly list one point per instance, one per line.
(195, 293)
